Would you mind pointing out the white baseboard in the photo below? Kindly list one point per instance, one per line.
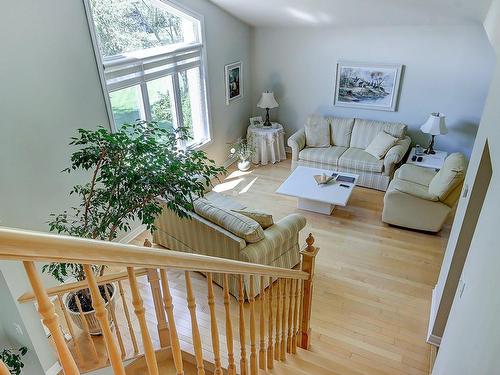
(433, 339)
(229, 162)
(133, 234)
(54, 369)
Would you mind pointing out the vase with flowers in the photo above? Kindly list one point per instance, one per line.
(243, 149)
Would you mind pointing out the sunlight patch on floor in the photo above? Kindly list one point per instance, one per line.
(246, 188)
(237, 174)
(226, 186)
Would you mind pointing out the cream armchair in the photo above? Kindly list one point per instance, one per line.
(421, 198)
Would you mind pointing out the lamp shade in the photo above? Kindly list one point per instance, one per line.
(267, 101)
(435, 125)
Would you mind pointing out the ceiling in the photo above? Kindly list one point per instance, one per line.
(283, 13)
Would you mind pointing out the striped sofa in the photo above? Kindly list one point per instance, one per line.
(348, 139)
(279, 248)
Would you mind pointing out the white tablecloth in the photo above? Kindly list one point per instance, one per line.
(269, 143)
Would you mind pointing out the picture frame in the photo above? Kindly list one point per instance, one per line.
(233, 74)
(363, 85)
(256, 121)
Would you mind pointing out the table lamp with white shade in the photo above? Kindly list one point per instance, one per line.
(267, 101)
(435, 125)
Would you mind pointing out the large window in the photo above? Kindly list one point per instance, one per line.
(152, 63)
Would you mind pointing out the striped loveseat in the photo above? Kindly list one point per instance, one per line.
(279, 247)
(345, 150)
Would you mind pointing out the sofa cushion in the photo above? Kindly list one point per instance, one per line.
(358, 159)
(237, 224)
(381, 144)
(450, 176)
(317, 131)
(328, 155)
(264, 220)
(341, 130)
(364, 131)
(416, 174)
(417, 190)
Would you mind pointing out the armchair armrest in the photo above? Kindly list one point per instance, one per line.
(396, 154)
(279, 238)
(297, 142)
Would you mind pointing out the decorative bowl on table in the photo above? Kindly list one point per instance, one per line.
(323, 179)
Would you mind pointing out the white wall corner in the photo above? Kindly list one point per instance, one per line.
(433, 339)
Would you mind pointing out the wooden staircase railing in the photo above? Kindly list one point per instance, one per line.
(278, 320)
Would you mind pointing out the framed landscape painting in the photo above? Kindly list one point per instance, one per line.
(368, 86)
(234, 82)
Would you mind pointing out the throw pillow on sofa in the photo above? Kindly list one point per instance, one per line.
(317, 131)
(381, 144)
(238, 224)
(264, 220)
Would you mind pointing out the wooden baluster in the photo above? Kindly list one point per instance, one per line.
(113, 317)
(3, 369)
(277, 343)
(154, 283)
(69, 323)
(284, 320)
(127, 316)
(86, 328)
(198, 349)
(270, 347)
(243, 350)
(101, 313)
(213, 326)
(253, 350)
(295, 313)
(50, 320)
(174, 338)
(301, 308)
(291, 292)
(231, 369)
(262, 325)
(149, 351)
(308, 263)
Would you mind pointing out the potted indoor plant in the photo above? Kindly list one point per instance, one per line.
(12, 359)
(243, 149)
(129, 170)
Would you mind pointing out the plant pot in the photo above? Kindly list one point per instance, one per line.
(90, 316)
(244, 165)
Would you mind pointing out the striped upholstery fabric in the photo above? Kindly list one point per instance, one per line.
(297, 142)
(364, 131)
(280, 246)
(328, 155)
(238, 224)
(360, 160)
(396, 154)
(264, 220)
(341, 131)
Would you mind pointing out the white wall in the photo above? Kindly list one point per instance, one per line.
(471, 340)
(447, 69)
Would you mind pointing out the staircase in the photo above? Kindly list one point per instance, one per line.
(266, 329)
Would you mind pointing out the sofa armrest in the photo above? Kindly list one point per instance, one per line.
(396, 154)
(279, 238)
(297, 142)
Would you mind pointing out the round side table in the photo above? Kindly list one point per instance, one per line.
(269, 143)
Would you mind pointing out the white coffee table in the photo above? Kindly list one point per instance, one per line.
(313, 197)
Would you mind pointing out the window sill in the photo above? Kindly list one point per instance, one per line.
(200, 145)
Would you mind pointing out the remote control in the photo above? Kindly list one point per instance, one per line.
(344, 186)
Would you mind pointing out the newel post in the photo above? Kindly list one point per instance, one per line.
(154, 283)
(308, 264)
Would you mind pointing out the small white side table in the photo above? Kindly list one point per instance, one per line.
(269, 143)
(434, 161)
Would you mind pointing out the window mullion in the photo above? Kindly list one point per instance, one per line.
(146, 105)
(178, 101)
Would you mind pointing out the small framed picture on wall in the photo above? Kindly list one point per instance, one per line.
(234, 82)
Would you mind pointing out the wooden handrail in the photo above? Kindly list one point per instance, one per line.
(23, 245)
(78, 285)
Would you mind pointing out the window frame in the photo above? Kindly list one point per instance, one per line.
(182, 11)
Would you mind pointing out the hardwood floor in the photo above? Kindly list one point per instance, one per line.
(372, 288)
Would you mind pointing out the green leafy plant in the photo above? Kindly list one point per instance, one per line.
(12, 359)
(130, 170)
(243, 149)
